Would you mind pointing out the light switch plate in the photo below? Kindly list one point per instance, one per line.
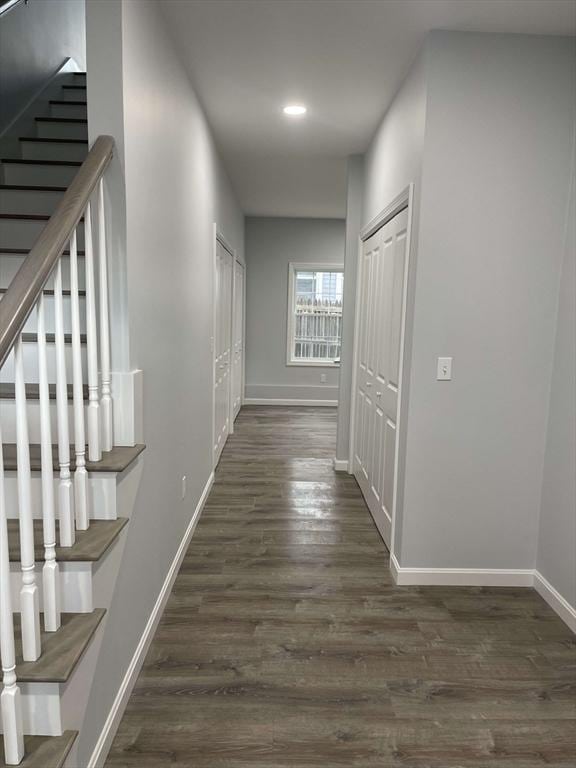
(444, 370)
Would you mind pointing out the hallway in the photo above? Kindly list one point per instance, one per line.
(286, 643)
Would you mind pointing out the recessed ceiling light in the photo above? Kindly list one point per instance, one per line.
(295, 110)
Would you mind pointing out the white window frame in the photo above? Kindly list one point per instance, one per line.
(293, 267)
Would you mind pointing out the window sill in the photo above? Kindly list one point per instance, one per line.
(312, 364)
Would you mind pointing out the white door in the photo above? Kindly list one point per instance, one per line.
(222, 347)
(381, 293)
(238, 340)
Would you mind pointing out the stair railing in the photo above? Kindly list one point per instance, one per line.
(24, 298)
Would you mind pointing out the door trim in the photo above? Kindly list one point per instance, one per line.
(239, 261)
(405, 199)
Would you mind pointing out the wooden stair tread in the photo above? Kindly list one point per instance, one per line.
(7, 391)
(61, 650)
(32, 188)
(25, 216)
(21, 161)
(116, 460)
(49, 292)
(43, 751)
(81, 120)
(29, 216)
(69, 102)
(53, 141)
(32, 338)
(26, 251)
(89, 546)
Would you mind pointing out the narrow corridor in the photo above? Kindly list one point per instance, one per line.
(286, 643)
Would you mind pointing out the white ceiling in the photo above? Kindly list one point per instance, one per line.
(344, 59)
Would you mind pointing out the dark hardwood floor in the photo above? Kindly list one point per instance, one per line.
(285, 642)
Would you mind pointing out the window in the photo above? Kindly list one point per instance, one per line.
(314, 314)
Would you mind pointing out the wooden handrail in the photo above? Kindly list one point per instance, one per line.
(28, 283)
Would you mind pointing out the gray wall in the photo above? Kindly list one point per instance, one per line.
(271, 244)
(353, 225)
(35, 40)
(557, 529)
(175, 190)
(499, 124)
(483, 126)
(393, 161)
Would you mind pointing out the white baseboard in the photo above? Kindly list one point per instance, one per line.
(340, 465)
(461, 577)
(288, 401)
(117, 710)
(555, 600)
(486, 577)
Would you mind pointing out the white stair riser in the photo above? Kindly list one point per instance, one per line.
(84, 585)
(26, 201)
(8, 417)
(102, 488)
(51, 708)
(73, 94)
(73, 78)
(60, 130)
(41, 175)
(76, 581)
(23, 233)
(69, 110)
(38, 150)
(31, 364)
(11, 263)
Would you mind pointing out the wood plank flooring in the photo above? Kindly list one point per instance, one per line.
(285, 642)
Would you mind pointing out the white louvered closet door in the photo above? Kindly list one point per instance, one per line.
(381, 292)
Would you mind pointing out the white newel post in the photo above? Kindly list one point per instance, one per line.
(94, 450)
(50, 572)
(10, 704)
(106, 399)
(29, 602)
(65, 495)
(80, 474)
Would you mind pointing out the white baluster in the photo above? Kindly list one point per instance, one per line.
(80, 474)
(65, 497)
(94, 450)
(29, 605)
(50, 572)
(106, 400)
(10, 703)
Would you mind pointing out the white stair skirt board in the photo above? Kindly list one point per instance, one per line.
(117, 710)
(486, 577)
(340, 465)
(288, 401)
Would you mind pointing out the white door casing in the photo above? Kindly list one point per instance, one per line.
(378, 358)
(238, 339)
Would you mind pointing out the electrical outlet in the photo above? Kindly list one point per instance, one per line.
(322, 378)
(184, 486)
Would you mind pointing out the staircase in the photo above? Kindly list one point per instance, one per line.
(62, 479)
